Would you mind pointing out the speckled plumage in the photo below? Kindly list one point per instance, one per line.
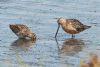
(71, 26)
(22, 31)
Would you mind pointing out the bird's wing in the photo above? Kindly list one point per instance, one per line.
(23, 27)
(19, 28)
(77, 24)
(23, 30)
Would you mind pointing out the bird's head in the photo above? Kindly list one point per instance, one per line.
(61, 21)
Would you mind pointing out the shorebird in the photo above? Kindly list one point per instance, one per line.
(71, 26)
(22, 31)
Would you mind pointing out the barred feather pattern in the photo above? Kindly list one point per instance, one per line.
(22, 31)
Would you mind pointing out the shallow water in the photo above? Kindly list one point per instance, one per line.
(39, 16)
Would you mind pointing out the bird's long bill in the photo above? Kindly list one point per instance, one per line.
(57, 30)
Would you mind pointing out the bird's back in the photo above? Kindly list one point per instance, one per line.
(19, 27)
(77, 25)
(74, 22)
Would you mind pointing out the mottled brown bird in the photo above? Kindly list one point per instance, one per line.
(22, 31)
(71, 26)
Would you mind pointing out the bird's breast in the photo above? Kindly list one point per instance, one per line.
(69, 29)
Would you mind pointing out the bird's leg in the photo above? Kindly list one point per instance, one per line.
(73, 36)
(57, 45)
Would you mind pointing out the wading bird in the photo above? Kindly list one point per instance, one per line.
(71, 26)
(22, 31)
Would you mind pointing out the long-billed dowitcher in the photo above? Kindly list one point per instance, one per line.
(71, 26)
(22, 31)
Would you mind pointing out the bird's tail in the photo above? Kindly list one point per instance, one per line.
(87, 27)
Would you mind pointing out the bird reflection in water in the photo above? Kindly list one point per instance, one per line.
(71, 46)
(23, 43)
(20, 48)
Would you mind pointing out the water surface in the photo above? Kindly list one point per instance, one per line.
(39, 16)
